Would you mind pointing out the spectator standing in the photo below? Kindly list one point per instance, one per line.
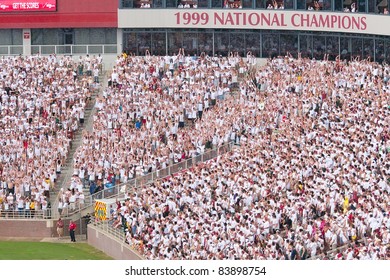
(72, 228)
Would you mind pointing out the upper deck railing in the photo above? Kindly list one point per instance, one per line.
(58, 49)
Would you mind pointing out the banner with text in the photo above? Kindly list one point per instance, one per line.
(254, 19)
(28, 6)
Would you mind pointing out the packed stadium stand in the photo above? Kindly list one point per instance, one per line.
(221, 129)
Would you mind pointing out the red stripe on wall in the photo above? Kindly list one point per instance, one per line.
(61, 21)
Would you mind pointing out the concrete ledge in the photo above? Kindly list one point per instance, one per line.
(113, 247)
(35, 228)
(27, 228)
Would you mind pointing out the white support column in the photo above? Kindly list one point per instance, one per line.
(119, 40)
(26, 41)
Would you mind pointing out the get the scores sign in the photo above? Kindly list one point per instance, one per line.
(254, 19)
(28, 6)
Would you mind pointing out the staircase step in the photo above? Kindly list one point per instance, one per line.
(67, 168)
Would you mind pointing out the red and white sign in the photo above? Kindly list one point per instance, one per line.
(254, 19)
(28, 5)
(26, 35)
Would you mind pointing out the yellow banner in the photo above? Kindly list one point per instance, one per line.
(100, 210)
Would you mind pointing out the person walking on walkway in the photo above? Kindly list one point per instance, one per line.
(60, 228)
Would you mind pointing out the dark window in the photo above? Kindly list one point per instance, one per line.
(157, 4)
(237, 43)
(289, 44)
(357, 47)
(190, 43)
(216, 3)
(306, 45)
(332, 46)
(205, 42)
(270, 45)
(221, 43)
(252, 41)
(159, 43)
(171, 3)
(175, 42)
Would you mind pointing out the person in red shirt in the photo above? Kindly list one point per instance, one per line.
(72, 228)
(60, 228)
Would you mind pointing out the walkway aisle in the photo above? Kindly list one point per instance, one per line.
(67, 168)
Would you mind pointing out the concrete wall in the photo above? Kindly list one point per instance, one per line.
(27, 228)
(261, 61)
(112, 247)
(109, 61)
(35, 229)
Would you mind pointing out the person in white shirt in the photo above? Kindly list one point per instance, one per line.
(96, 74)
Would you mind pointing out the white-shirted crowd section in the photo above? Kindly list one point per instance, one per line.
(311, 174)
(42, 103)
(159, 111)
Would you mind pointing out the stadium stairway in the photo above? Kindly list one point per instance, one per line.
(67, 168)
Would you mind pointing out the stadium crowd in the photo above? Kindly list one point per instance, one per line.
(310, 175)
(42, 103)
(159, 111)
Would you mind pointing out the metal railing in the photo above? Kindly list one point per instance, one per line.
(11, 50)
(26, 214)
(118, 233)
(331, 253)
(120, 190)
(115, 233)
(74, 49)
(58, 49)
